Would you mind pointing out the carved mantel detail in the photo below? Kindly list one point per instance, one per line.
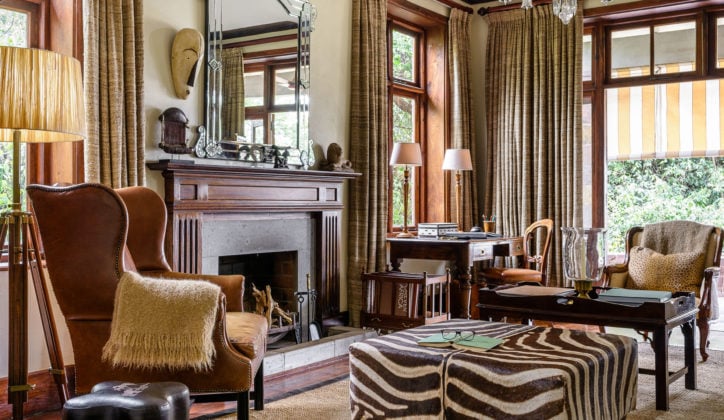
(193, 191)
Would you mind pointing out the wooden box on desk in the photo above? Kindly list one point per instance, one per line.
(396, 301)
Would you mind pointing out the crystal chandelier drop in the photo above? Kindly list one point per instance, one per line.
(564, 9)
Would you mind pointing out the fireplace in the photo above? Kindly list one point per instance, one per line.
(227, 211)
(275, 269)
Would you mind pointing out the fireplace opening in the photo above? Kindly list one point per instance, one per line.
(278, 270)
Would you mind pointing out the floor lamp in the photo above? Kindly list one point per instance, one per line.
(406, 154)
(42, 95)
(458, 160)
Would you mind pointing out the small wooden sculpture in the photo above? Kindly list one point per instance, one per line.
(334, 161)
(267, 307)
(173, 131)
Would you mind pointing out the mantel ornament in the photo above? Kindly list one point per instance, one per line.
(334, 161)
(173, 131)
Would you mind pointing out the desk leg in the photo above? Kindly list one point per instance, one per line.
(661, 357)
(465, 290)
(687, 329)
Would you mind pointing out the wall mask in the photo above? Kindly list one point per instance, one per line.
(186, 54)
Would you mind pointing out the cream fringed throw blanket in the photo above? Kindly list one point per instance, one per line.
(162, 323)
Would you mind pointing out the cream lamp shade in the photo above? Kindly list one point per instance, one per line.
(406, 154)
(457, 159)
(42, 94)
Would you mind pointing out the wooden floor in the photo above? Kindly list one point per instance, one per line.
(274, 387)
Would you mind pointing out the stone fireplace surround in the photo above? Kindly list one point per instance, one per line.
(216, 211)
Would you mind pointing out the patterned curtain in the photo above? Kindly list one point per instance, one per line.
(534, 95)
(367, 226)
(113, 69)
(232, 111)
(462, 127)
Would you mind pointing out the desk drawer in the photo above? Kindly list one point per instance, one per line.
(483, 251)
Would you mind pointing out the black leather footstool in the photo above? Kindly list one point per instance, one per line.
(116, 400)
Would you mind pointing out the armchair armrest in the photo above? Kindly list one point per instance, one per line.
(232, 286)
(706, 293)
(612, 272)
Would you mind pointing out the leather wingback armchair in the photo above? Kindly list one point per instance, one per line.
(669, 246)
(535, 266)
(92, 234)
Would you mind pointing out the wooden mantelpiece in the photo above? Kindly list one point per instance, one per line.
(195, 190)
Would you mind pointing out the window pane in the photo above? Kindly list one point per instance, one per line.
(675, 48)
(254, 130)
(284, 127)
(587, 114)
(13, 33)
(630, 53)
(720, 42)
(13, 28)
(403, 56)
(253, 88)
(403, 119)
(587, 57)
(284, 81)
(398, 179)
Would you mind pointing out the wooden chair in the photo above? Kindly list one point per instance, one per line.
(92, 234)
(665, 254)
(535, 267)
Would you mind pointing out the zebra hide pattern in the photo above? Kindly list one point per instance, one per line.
(536, 373)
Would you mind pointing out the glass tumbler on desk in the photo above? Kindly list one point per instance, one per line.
(584, 257)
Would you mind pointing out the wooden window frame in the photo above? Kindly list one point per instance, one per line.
(430, 180)
(600, 22)
(268, 65)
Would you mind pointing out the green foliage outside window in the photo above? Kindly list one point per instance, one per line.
(647, 191)
(13, 33)
(403, 131)
(403, 56)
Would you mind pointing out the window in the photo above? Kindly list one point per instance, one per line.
(406, 96)
(417, 79)
(270, 102)
(655, 121)
(14, 32)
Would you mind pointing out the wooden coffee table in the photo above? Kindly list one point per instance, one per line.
(659, 318)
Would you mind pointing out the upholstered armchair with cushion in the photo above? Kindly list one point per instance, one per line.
(676, 256)
(93, 237)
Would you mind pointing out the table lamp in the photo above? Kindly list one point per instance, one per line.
(458, 160)
(406, 154)
(42, 95)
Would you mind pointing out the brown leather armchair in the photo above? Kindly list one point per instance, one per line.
(535, 267)
(670, 244)
(91, 235)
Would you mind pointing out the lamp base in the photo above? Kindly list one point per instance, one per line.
(583, 287)
(405, 235)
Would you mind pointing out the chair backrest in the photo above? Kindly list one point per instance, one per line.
(713, 248)
(83, 229)
(539, 232)
(146, 228)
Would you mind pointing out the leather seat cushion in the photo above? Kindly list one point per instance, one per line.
(512, 275)
(125, 400)
(247, 332)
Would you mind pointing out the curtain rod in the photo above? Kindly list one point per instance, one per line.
(454, 5)
(488, 10)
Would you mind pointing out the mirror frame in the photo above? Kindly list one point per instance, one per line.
(209, 143)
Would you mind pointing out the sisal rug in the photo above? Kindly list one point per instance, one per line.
(331, 401)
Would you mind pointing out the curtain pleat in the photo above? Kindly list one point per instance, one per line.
(534, 96)
(113, 69)
(367, 224)
(232, 111)
(461, 102)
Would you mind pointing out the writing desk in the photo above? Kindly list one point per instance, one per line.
(461, 253)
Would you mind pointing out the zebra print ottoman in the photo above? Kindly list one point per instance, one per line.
(536, 373)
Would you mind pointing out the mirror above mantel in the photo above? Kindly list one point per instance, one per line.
(257, 83)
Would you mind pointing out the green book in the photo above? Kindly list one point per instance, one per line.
(478, 343)
(634, 295)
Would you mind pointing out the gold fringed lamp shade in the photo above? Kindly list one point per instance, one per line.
(42, 95)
